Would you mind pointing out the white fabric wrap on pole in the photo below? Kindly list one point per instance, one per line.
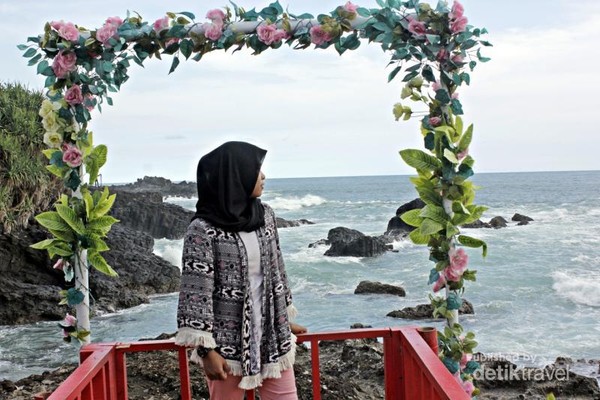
(82, 282)
(250, 26)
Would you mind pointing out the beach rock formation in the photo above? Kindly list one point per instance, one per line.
(350, 242)
(283, 223)
(369, 287)
(29, 285)
(498, 222)
(395, 225)
(521, 219)
(425, 311)
(160, 185)
(146, 212)
(476, 225)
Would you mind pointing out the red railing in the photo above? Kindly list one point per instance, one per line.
(412, 371)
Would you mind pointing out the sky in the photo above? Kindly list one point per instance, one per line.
(321, 114)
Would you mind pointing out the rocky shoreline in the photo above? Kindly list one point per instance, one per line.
(350, 370)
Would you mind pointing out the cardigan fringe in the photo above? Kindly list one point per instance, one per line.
(190, 337)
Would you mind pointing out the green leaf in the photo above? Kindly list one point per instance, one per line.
(429, 227)
(429, 196)
(43, 245)
(393, 74)
(101, 225)
(52, 220)
(187, 14)
(104, 206)
(174, 64)
(420, 160)
(453, 301)
(465, 139)
(473, 242)
(74, 296)
(417, 238)
(435, 213)
(450, 156)
(186, 46)
(71, 218)
(412, 217)
(98, 262)
(72, 180)
(451, 229)
(470, 275)
(30, 52)
(434, 275)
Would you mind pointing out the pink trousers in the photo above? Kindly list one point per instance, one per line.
(283, 388)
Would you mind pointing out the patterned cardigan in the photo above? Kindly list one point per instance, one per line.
(215, 303)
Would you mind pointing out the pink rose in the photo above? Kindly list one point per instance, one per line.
(442, 55)
(69, 321)
(269, 34)
(73, 96)
(435, 121)
(215, 15)
(213, 31)
(318, 36)
(161, 24)
(116, 21)
(459, 25)
(436, 86)
(72, 156)
(64, 63)
(66, 30)
(60, 264)
(439, 284)
(351, 8)
(457, 59)
(452, 275)
(417, 28)
(457, 10)
(468, 387)
(458, 259)
(105, 33)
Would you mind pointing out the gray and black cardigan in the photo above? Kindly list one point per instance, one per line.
(215, 303)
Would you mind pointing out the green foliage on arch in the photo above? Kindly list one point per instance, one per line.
(433, 50)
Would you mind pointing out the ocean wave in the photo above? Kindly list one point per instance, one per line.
(169, 250)
(581, 290)
(296, 203)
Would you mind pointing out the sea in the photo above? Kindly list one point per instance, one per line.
(537, 294)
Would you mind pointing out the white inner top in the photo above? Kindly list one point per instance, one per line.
(255, 276)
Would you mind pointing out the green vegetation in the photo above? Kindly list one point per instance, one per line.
(26, 187)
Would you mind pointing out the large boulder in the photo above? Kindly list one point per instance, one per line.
(369, 287)
(425, 311)
(350, 242)
(284, 223)
(498, 222)
(395, 225)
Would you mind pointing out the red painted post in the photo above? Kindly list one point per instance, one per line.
(250, 394)
(184, 374)
(121, 372)
(394, 377)
(429, 335)
(316, 370)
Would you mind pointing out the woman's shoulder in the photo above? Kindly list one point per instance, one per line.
(200, 226)
(268, 209)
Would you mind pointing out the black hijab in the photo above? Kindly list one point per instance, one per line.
(226, 178)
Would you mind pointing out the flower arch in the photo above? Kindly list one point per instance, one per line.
(435, 49)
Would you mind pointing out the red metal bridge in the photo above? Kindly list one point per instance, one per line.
(412, 370)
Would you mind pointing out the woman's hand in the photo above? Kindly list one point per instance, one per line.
(215, 366)
(297, 329)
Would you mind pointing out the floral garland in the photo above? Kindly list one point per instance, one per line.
(82, 67)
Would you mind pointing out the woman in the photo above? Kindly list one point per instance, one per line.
(235, 303)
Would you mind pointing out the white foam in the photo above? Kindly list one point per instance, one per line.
(169, 250)
(581, 290)
(296, 203)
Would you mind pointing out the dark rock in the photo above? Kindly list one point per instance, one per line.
(29, 285)
(320, 242)
(477, 224)
(498, 222)
(425, 311)
(396, 224)
(283, 223)
(521, 218)
(147, 212)
(350, 242)
(369, 287)
(160, 185)
(523, 223)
